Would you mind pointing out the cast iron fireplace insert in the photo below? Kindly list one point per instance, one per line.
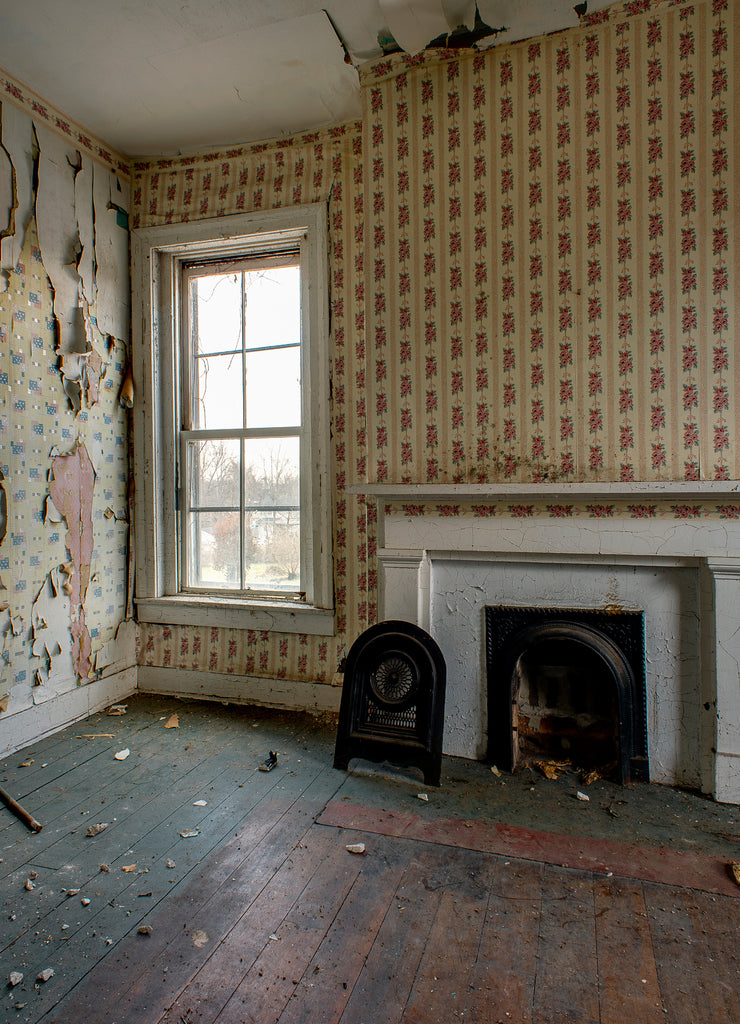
(612, 640)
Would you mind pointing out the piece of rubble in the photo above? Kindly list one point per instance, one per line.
(85, 901)
(72, 892)
(15, 978)
(94, 830)
(190, 833)
(422, 796)
(145, 929)
(128, 867)
(735, 870)
(48, 972)
(173, 722)
(356, 848)
(171, 864)
(30, 885)
(582, 796)
(117, 709)
(122, 754)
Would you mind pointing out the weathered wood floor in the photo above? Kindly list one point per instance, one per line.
(264, 915)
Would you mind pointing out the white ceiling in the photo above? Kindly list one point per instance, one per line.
(158, 77)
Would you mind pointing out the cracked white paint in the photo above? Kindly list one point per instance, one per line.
(52, 641)
(83, 197)
(442, 572)
(18, 142)
(112, 200)
(58, 235)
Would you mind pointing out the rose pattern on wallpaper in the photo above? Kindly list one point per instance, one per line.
(531, 279)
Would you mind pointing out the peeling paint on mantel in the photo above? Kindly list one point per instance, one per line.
(654, 490)
(683, 574)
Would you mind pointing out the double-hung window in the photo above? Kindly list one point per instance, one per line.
(231, 439)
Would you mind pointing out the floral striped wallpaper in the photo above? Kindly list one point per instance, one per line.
(326, 167)
(532, 278)
(550, 274)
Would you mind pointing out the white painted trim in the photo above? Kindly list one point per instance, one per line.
(236, 689)
(34, 723)
(156, 255)
(487, 550)
(289, 617)
(651, 490)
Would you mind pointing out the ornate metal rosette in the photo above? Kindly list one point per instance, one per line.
(393, 680)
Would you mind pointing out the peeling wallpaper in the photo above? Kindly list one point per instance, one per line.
(532, 278)
(532, 273)
(64, 332)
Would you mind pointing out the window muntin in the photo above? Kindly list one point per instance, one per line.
(241, 430)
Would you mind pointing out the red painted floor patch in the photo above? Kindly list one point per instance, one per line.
(654, 864)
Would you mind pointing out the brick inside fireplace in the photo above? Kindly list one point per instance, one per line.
(567, 684)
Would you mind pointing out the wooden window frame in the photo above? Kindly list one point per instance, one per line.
(158, 257)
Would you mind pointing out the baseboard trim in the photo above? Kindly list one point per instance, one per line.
(237, 689)
(34, 723)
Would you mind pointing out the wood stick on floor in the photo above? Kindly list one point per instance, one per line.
(19, 811)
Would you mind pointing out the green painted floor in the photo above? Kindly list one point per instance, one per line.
(73, 902)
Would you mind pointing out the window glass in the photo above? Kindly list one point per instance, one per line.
(242, 512)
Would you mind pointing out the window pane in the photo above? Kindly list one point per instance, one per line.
(216, 318)
(273, 306)
(213, 474)
(272, 472)
(213, 535)
(272, 550)
(218, 393)
(213, 550)
(274, 388)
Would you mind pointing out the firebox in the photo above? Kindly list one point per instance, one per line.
(567, 683)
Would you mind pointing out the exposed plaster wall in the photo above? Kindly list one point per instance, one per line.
(64, 334)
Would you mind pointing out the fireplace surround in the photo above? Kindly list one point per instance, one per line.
(447, 552)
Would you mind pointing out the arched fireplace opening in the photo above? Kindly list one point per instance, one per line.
(567, 685)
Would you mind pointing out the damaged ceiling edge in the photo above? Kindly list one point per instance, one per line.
(30, 103)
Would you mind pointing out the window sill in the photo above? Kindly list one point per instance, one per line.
(281, 616)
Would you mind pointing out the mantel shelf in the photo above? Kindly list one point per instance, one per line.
(652, 490)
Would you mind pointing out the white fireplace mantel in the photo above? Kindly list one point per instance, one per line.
(645, 490)
(441, 571)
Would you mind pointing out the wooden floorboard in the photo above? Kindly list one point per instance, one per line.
(695, 949)
(264, 915)
(391, 965)
(566, 981)
(627, 972)
(502, 983)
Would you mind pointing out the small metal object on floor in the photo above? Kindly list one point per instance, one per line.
(269, 762)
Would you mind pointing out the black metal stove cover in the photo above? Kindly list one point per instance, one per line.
(393, 699)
